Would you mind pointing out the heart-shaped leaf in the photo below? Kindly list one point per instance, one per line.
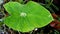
(26, 17)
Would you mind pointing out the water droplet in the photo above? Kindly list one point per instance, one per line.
(23, 14)
(36, 29)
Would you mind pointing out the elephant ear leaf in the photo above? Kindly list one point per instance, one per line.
(26, 17)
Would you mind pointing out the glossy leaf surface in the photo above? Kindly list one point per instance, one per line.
(26, 17)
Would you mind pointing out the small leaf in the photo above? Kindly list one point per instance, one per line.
(26, 17)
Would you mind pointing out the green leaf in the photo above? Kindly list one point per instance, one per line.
(26, 17)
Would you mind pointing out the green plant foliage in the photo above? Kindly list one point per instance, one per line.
(47, 1)
(26, 17)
